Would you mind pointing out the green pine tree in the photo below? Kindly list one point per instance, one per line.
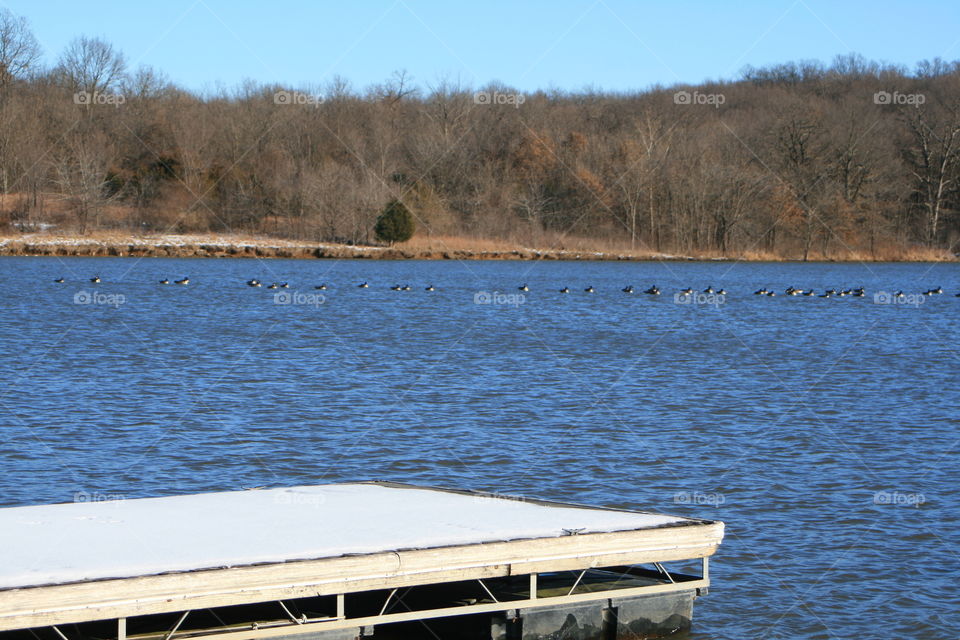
(395, 223)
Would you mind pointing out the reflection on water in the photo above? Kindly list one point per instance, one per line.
(823, 431)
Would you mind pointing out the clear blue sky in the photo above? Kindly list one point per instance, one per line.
(608, 44)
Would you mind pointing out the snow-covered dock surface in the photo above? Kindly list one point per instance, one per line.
(68, 543)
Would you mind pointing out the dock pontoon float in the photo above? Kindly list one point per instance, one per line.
(330, 562)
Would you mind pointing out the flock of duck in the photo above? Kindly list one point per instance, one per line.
(653, 290)
(835, 293)
(97, 280)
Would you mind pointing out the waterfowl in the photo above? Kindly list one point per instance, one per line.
(826, 294)
(771, 294)
(321, 287)
(627, 289)
(898, 294)
(184, 280)
(760, 292)
(523, 287)
(284, 285)
(273, 285)
(792, 291)
(937, 291)
(95, 279)
(809, 292)
(858, 293)
(709, 289)
(429, 288)
(59, 280)
(653, 290)
(567, 290)
(253, 283)
(406, 287)
(165, 281)
(588, 290)
(722, 292)
(362, 285)
(396, 287)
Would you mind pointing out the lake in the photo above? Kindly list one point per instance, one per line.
(824, 432)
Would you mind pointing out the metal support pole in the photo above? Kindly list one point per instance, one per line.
(176, 626)
(489, 593)
(121, 629)
(341, 609)
(579, 578)
(533, 586)
(299, 620)
(387, 601)
(663, 570)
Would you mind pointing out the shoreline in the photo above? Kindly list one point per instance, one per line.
(214, 246)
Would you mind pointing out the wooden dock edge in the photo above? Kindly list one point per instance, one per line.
(121, 598)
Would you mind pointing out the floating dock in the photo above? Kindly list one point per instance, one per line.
(338, 561)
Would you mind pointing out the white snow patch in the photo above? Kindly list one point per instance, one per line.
(55, 544)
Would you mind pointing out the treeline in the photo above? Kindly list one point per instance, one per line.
(799, 160)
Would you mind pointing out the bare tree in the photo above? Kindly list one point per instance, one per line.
(933, 157)
(91, 65)
(19, 50)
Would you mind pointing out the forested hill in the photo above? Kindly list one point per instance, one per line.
(796, 160)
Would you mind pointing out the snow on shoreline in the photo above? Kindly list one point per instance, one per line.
(204, 245)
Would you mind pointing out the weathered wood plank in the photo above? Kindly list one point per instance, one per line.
(104, 599)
